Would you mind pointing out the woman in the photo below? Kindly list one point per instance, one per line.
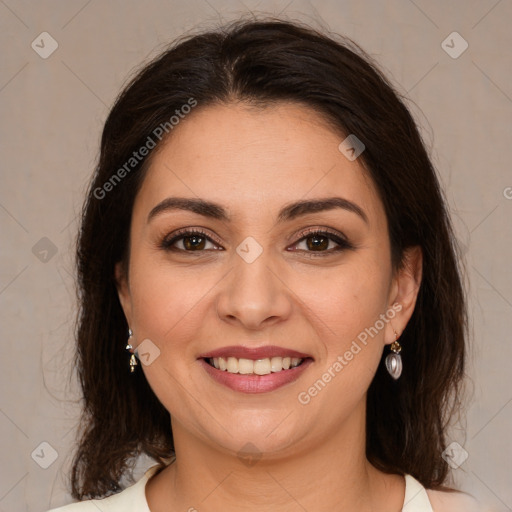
(266, 225)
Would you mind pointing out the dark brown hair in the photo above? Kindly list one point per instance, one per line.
(260, 62)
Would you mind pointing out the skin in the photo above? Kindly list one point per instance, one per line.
(253, 162)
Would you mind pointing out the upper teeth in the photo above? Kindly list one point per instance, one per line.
(259, 367)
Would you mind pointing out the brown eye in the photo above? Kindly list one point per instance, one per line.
(318, 242)
(191, 241)
(194, 242)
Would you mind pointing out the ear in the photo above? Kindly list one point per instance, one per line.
(404, 291)
(123, 291)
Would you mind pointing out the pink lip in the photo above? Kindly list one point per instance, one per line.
(241, 352)
(255, 383)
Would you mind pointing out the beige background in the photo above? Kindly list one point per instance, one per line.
(52, 114)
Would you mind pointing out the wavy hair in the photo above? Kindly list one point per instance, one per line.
(262, 62)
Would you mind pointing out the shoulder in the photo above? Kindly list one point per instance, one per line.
(444, 501)
(123, 501)
(83, 506)
(131, 499)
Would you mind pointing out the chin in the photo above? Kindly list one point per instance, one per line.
(271, 439)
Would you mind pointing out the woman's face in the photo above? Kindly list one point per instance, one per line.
(256, 279)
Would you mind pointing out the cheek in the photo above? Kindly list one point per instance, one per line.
(348, 320)
(168, 308)
(167, 301)
(345, 302)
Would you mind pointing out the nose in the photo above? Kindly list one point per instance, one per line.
(254, 294)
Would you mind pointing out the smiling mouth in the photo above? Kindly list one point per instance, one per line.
(254, 367)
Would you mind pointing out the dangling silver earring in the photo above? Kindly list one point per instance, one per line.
(394, 360)
(133, 359)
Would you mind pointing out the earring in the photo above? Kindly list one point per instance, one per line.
(394, 360)
(133, 359)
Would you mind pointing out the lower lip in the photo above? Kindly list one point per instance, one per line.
(255, 383)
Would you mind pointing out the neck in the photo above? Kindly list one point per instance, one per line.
(332, 475)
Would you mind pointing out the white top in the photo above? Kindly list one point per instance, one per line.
(133, 499)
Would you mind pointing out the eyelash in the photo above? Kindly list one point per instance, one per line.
(343, 244)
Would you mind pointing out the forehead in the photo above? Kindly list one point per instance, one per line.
(254, 160)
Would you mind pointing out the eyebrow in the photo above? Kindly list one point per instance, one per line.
(289, 212)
